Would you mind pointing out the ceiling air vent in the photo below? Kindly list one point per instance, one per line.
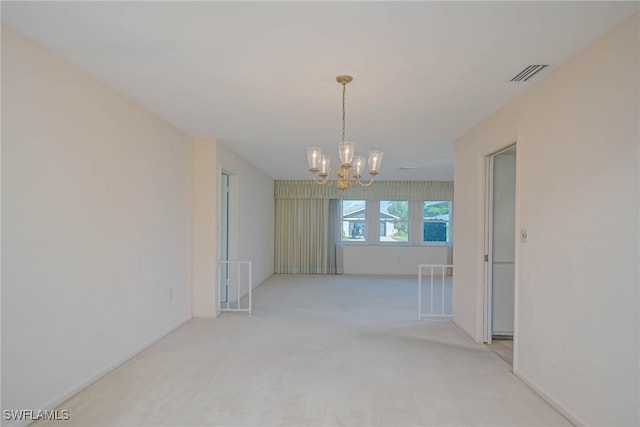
(528, 72)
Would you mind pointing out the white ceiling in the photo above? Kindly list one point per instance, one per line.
(260, 76)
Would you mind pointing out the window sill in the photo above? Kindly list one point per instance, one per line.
(436, 244)
(393, 245)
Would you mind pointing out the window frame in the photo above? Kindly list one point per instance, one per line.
(415, 225)
(408, 242)
(366, 241)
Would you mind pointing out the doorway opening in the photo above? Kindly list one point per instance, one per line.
(225, 187)
(500, 261)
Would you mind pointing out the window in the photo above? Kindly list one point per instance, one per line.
(394, 221)
(401, 222)
(354, 221)
(435, 217)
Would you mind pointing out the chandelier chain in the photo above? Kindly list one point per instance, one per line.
(344, 92)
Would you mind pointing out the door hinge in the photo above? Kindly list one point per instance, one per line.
(486, 258)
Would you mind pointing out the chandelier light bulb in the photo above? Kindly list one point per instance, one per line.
(358, 165)
(375, 160)
(325, 164)
(346, 150)
(314, 155)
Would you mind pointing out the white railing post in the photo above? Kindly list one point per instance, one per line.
(420, 291)
(444, 312)
(238, 278)
(250, 290)
(442, 306)
(431, 296)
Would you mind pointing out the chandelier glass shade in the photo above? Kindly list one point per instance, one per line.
(349, 173)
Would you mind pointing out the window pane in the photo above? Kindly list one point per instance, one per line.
(435, 221)
(354, 220)
(394, 221)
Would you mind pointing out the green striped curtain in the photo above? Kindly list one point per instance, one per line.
(380, 190)
(301, 238)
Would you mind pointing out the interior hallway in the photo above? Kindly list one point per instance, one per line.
(503, 348)
(319, 350)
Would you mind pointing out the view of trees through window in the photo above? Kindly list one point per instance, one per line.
(394, 221)
(435, 217)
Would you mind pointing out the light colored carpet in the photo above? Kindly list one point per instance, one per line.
(318, 350)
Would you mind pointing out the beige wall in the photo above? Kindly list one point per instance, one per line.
(401, 260)
(252, 209)
(577, 282)
(96, 219)
(204, 229)
(110, 226)
(252, 220)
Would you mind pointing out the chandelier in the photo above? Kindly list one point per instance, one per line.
(351, 167)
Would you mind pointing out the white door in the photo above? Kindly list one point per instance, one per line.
(501, 235)
(225, 182)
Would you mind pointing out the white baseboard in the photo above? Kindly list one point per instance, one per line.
(563, 410)
(101, 373)
(463, 329)
(205, 316)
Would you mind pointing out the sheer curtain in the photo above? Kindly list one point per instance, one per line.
(301, 237)
(335, 263)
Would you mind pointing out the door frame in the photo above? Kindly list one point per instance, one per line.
(224, 229)
(487, 329)
(232, 230)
